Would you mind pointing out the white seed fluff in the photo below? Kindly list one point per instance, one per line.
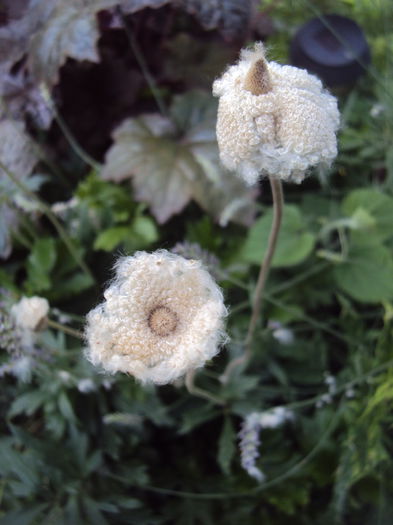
(286, 129)
(162, 316)
(30, 312)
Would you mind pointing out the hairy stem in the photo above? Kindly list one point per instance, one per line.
(194, 390)
(278, 204)
(66, 329)
(79, 151)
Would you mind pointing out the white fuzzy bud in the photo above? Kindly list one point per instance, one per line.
(30, 313)
(274, 120)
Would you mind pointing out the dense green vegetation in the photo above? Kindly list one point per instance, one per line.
(86, 176)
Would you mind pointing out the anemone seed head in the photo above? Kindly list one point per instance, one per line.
(162, 316)
(273, 119)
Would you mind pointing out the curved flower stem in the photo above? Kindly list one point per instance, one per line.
(194, 390)
(278, 204)
(78, 150)
(143, 65)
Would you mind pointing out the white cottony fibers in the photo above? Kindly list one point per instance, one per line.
(274, 120)
(250, 440)
(30, 312)
(162, 316)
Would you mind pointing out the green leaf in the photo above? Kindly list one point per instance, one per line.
(289, 499)
(226, 446)
(99, 195)
(193, 109)
(22, 465)
(40, 263)
(145, 229)
(139, 234)
(73, 285)
(294, 244)
(108, 239)
(27, 403)
(70, 30)
(93, 462)
(143, 232)
(72, 511)
(7, 279)
(65, 407)
(128, 503)
(92, 511)
(367, 274)
(26, 516)
(377, 206)
(173, 160)
(383, 394)
(162, 169)
(196, 416)
(291, 312)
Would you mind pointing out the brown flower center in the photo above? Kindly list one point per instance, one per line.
(162, 321)
(257, 80)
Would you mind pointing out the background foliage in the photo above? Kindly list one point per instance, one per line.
(107, 147)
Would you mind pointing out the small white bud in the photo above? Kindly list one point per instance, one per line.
(30, 313)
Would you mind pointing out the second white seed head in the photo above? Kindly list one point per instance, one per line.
(273, 120)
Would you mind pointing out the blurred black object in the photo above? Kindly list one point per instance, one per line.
(333, 47)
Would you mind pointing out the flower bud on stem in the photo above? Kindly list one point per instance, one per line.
(278, 204)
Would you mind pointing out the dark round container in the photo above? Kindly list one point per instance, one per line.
(333, 47)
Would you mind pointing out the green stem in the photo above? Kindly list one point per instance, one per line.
(17, 233)
(68, 134)
(143, 65)
(199, 392)
(278, 205)
(22, 239)
(65, 329)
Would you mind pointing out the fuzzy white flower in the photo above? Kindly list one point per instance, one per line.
(30, 312)
(162, 316)
(273, 119)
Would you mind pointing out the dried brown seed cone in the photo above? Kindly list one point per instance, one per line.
(257, 80)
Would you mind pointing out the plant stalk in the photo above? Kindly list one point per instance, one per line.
(278, 205)
(66, 329)
(143, 65)
(199, 392)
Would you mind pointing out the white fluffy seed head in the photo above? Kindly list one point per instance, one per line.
(273, 119)
(162, 316)
(30, 313)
